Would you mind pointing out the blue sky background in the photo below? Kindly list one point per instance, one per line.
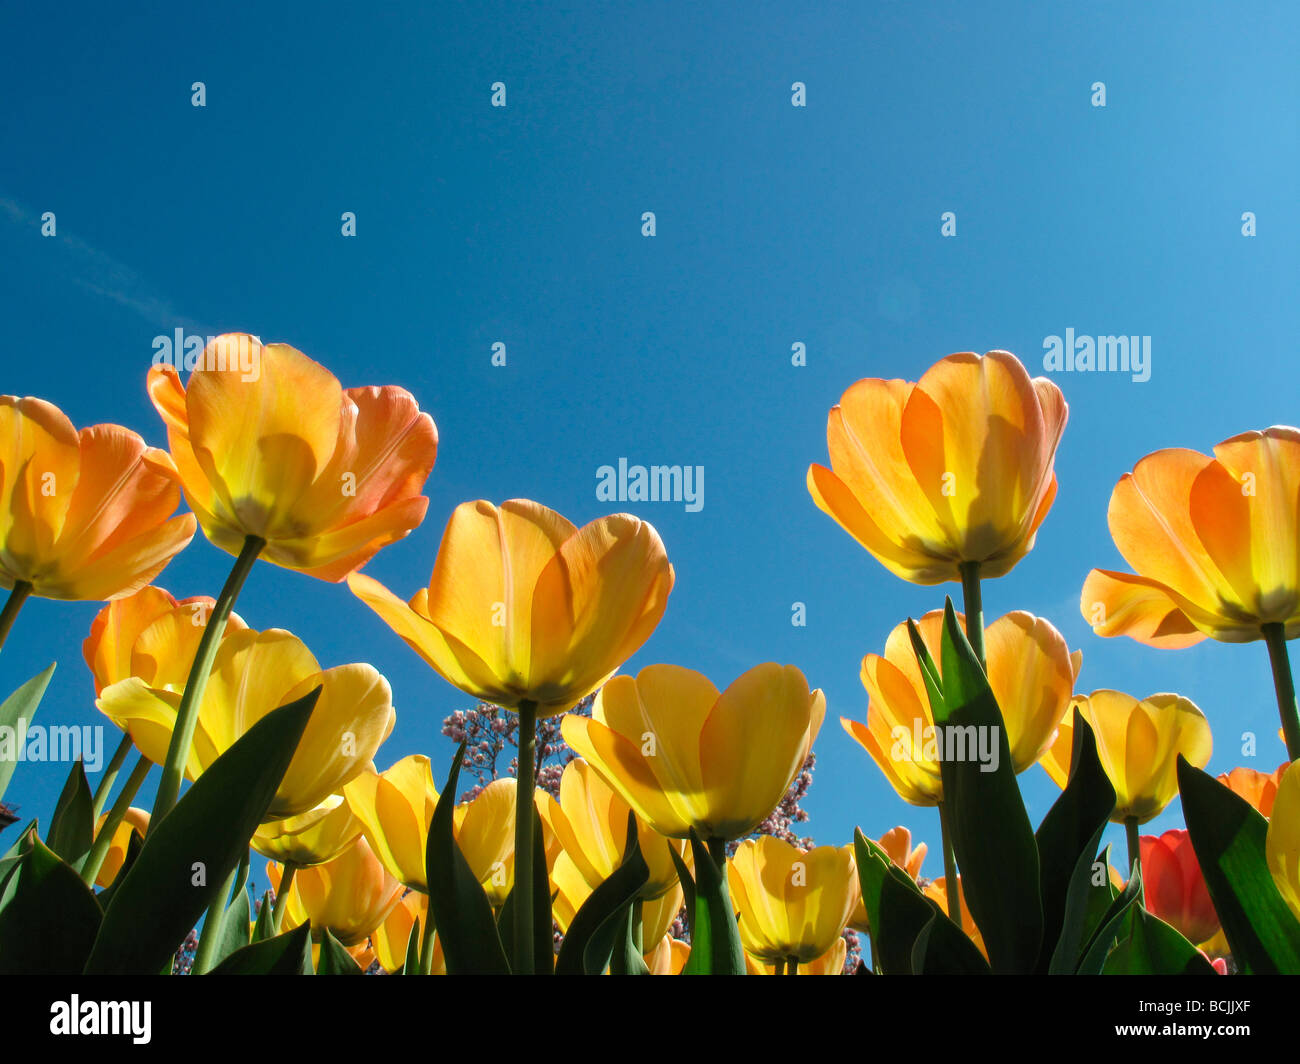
(775, 225)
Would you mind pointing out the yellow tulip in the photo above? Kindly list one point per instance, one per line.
(658, 914)
(524, 607)
(391, 937)
(668, 957)
(148, 634)
(684, 756)
(485, 832)
(1282, 844)
(315, 837)
(350, 895)
(897, 844)
(1212, 541)
(134, 821)
(829, 963)
(590, 821)
(269, 444)
(395, 809)
(1031, 673)
(83, 515)
(792, 904)
(254, 673)
(1138, 743)
(570, 890)
(954, 469)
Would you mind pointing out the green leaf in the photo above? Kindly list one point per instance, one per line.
(991, 834)
(208, 831)
(543, 922)
(457, 904)
(231, 923)
(334, 959)
(688, 887)
(15, 853)
(1112, 923)
(595, 929)
(1086, 904)
(16, 713)
(413, 940)
(49, 923)
(134, 844)
(715, 938)
(264, 929)
(1228, 836)
(627, 958)
(72, 828)
(1068, 838)
(287, 954)
(1152, 947)
(909, 932)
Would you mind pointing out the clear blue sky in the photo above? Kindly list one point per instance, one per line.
(775, 224)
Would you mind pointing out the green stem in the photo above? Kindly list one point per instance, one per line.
(718, 851)
(792, 966)
(523, 951)
(949, 866)
(1134, 849)
(282, 895)
(21, 590)
(973, 607)
(99, 849)
(779, 968)
(426, 947)
(213, 926)
(109, 777)
(187, 716)
(1284, 685)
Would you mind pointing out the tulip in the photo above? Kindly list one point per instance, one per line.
(1282, 843)
(1175, 887)
(570, 891)
(86, 515)
(315, 837)
(1030, 671)
(350, 895)
(937, 891)
(1258, 788)
(254, 673)
(897, 844)
(792, 904)
(392, 937)
(948, 478)
(685, 757)
(395, 809)
(668, 957)
(1138, 743)
(280, 451)
(1212, 542)
(136, 822)
(485, 832)
(829, 963)
(590, 821)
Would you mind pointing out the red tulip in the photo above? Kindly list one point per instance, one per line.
(1175, 888)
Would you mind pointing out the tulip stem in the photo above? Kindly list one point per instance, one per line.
(187, 716)
(426, 946)
(104, 839)
(214, 926)
(779, 968)
(949, 866)
(718, 851)
(1284, 685)
(792, 966)
(22, 589)
(1134, 849)
(973, 607)
(109, 777)
(282, 896)
(523, 951)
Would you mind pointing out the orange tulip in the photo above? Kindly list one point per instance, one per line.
(954, 469)
(350, 895)
(83, 515)
(269, 444)
(897, 844)
(135, 821)
(1212, 541)
(1258, 788)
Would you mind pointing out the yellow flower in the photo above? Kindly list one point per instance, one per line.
(658, 914)
(254, 673)
(523, 606)
(350, 895)
(391, 937)
(570, 890)
(897, 844)
(269, 444)
(955, 468)
(1031, 673)
(1212, 542)
(937, 891)
(133, 821)
(1138, 743)
(829, 963)
(315, 837)
(151, 635)
(684, 756)
(792, 904)
(485, 832)
(83, 515)
(668, 957)
(1282, 844)
(590, 822)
